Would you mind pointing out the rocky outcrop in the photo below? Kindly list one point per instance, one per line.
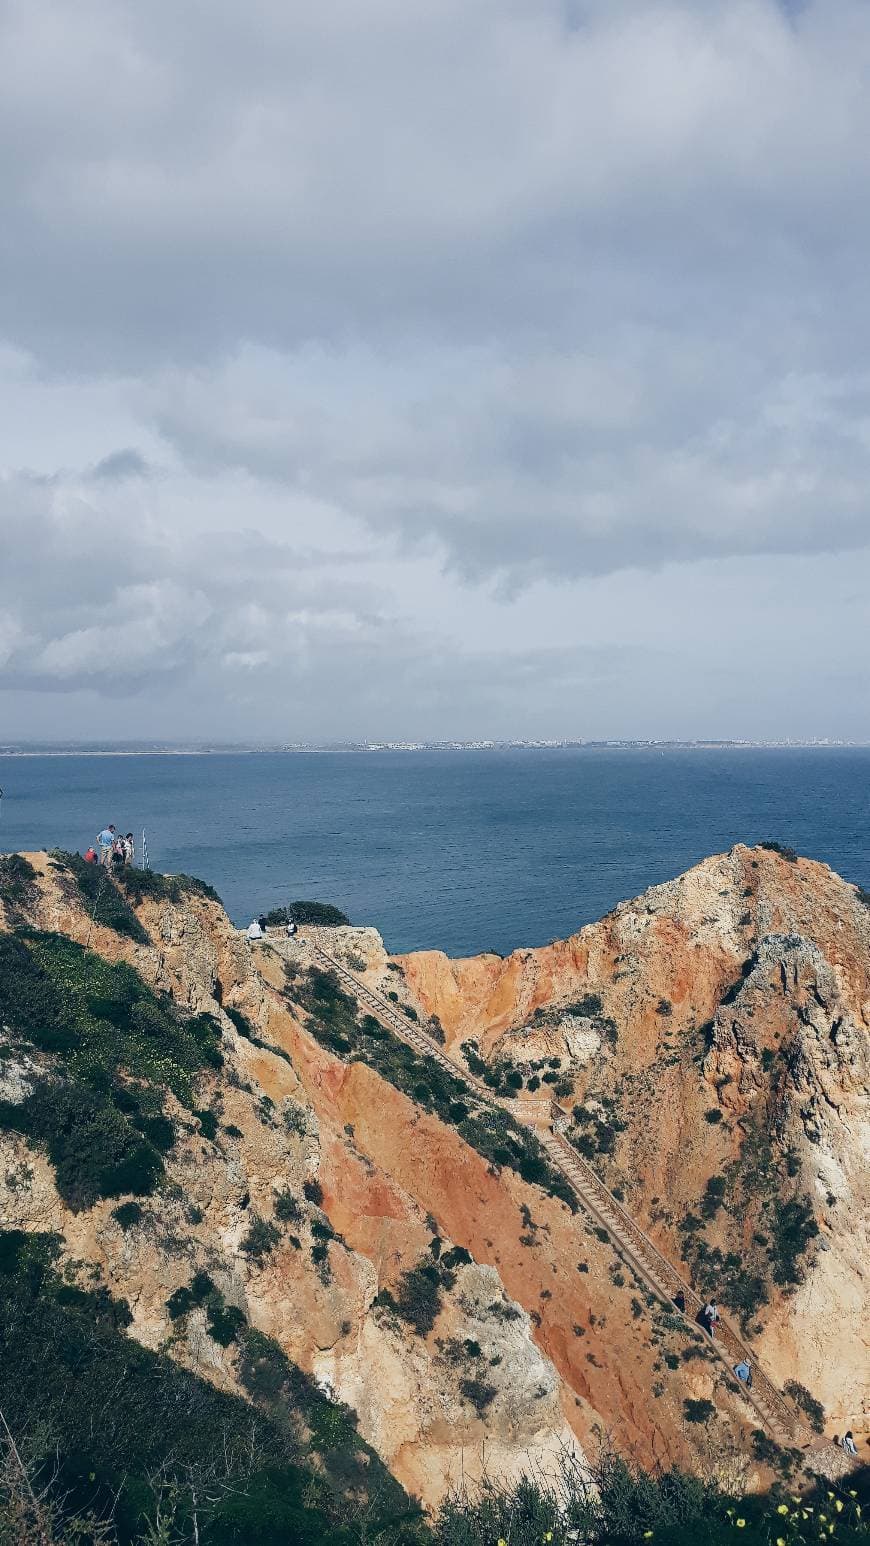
(722, 1043)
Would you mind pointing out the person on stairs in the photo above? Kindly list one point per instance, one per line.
(744, 1373)
(709, 1318)
(849, 1443)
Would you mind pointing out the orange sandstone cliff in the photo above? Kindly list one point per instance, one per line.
(713, 1031)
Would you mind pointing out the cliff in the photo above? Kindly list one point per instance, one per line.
(710, 1040)
(413, 1253)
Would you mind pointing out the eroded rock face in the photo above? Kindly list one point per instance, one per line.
(733, 1051)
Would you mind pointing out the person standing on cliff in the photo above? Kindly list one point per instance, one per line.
(104, 844)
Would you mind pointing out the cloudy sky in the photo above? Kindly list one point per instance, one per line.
(434, 367)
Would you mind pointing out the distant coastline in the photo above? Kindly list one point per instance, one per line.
(18, 749)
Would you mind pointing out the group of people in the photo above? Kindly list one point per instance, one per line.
(257, 928)
(113, 849)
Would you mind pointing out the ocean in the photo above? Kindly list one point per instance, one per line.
(462, 851)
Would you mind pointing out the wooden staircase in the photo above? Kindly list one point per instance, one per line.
(644, 1259)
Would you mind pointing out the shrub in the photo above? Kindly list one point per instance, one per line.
(793, 1227)
(418, 1298)
(17, 877)
(698, 1411)
(224, 1321)
(287, 1208)
(208, 1124)
(713, 1116)
(807, 1403)
(241, 1022)
(585, 1008)
(104, 1420)
(478, 1392)
(322, 914)
(94, 1150)
(138, 884)
(314, 1192)
(664, 1007)
(780, 848)
(261, 1239)
(129, 1214)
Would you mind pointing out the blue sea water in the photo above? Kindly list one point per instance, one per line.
(463, 851)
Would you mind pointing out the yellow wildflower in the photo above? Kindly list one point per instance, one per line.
(780, 1540)
(838, 1506)
(783, 1508)
(740, 1523)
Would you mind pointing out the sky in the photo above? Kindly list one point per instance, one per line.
(434, 368)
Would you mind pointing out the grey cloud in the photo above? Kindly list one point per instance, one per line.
(126, 463)
(554, 464)
(464, 300)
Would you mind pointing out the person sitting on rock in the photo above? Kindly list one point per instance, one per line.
(849, 1443)
(255, 930)
(744, 1373)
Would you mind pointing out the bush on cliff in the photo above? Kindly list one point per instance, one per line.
(97, 1106)
(138, 885)
(109, 1429)
(612, 1503)
(322, 914)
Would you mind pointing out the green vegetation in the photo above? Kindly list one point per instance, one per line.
(109, 1432)
(808, 1404)
(101, 896)
(754, 1185)
(593, 1134)
(698, 1411)
(418, 1296)
(128, 1214)
(287, 1209)
(261, 1239)
(333, 1018)
(241, 1022)
(97, 1107)
(781, 849)
(322, 914)
(17, 877)
(616, 1504)
(139, 885)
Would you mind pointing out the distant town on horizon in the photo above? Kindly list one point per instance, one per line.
(144, 748)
